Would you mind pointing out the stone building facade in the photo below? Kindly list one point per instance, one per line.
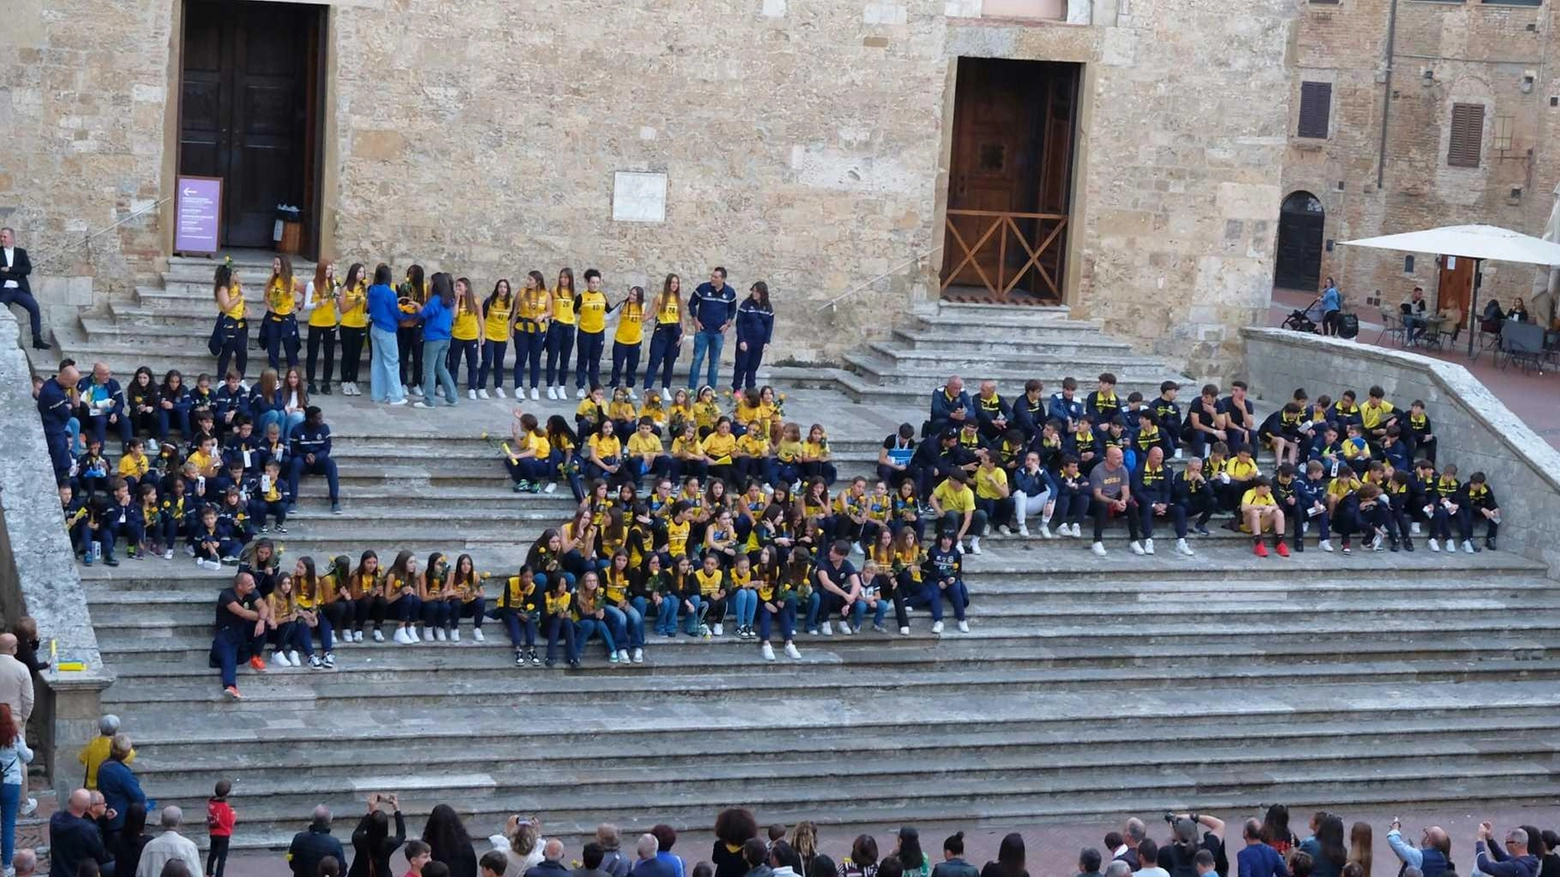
(1472, 72)
(805, 142)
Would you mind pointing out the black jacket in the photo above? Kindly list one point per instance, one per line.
(73, 840)
(370, 860)
(310, 847)
(21, 267)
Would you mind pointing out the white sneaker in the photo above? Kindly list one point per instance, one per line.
(1148, 546)
(397, 403)
(1181, 546)
(974, 544)
(1325, 545)
(1099, 549)
(1005, 530)
(639, 656)
(400, 636)
(472, 395)
(720, 629)
(1413, 528)
(768, 651)
(792, 652)
(904, 631)
(412, 637)
(846, 629)
(499, 391)
(1178, 453)
(1137, 548)
(1467, 546)
(826, 629)
(633, 395)
(552, 487)
(379, 636)
(28, 809)
(937, 627)
(1045, 532)
(552, 392)
(438, 634)
(964, 627)
(1435, 545)
(579, 393)
(622, 656)
(293, 656)
(168, 555)
(455, 634)
(534, 393)
(483, 394)
(214, 566)
(414, 390)
(1023, 529)
(476, 634)
(1451, 546)
(280, 657)
(1375, 542)
(421, 404)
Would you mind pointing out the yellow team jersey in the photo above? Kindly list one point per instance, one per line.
(684, 445)
(530, 308)
(1372, 417)
(954, 497)
(817, 450)
(990, 482)
(466, 326)
(305, 596)
(540, 446)
(203, 462)
(354, 302)
(592, 317)
(677, 537)
(499, 315)
(1239, 471)
(605, 448)
(640, 444)
(753, 445)
(683, 412)
(558, 604)
(283, 607)
(789, 451)
(324, 314)
(709, 583)
(279, 300)
(133, 466)
(236, 295)
(670, 313)
(719, 448)
(616, 585)
(631, 324)
(515, 593)
(1251, 498)
(705, 414)
(563, 306)
(623, 410)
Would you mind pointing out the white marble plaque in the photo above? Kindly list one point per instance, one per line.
(638, 197)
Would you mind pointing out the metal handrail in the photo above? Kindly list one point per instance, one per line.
(859, 287)
(105, 229)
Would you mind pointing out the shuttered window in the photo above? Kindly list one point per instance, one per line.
(1467, 135)
(1315, 108)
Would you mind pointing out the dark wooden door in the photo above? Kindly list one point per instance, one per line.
(243, 109)
(1298, 262)
(1454, 288)
(992, 169)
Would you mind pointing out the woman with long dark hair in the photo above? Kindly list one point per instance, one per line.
(533, 321)
(372, 843)
(1010, 859)
(14, 758)
(1326, 848)
(132, 840)
(319, 302)
(438, 323)
(446, 836)
(628, 338)
(367, 588)
(666, 340)
(560, 335)
(755, 328)
(498, 311)
(386, 313)
(411, 296)
(230, 338)
(283, 300)
(465, 335)
(352, 305)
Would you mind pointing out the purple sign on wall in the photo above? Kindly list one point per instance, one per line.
(198, 215)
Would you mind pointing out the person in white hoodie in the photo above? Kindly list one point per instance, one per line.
(521, 843)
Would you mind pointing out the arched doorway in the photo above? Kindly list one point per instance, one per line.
(1299, 259)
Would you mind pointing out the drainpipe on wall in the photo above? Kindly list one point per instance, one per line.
(1386, 98)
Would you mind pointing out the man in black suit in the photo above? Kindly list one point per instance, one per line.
(14, 268)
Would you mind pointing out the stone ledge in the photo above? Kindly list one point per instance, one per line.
(1473, 427)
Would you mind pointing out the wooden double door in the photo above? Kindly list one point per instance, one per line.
(250, 110)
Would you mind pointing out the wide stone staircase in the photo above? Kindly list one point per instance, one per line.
(1085, 686)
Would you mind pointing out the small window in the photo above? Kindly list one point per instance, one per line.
(1503, 126)
(1325, 2)
(1315, 109)
(1515, 2)
(1467, 135)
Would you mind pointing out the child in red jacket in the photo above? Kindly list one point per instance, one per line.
(219, 821)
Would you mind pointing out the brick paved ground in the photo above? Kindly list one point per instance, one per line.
(1533, 397)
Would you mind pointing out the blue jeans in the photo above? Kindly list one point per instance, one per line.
(786, 617)
(384, 374)
(287, 422)
(664, 345)
(696, 617)
(666, 617)
(528, 355)
(493, 353)
(814, 603)
(467, 349)
(711, 343)
(560, 344)
(587, 359)
(628, 626)
(436, 365)
(586, 628)
(10, 801)
(746, 601)
(522, 629)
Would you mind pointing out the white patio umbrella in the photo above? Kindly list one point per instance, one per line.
(1476, 242)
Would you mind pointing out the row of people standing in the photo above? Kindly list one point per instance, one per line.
(439, 324)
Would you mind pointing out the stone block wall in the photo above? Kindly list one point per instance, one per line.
(1473, 428)
(38, 574)
(1475, 53)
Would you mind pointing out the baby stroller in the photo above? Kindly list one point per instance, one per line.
(1300, 319)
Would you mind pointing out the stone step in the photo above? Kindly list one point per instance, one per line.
(1002, 314)
(1085, 365)
(491, 661)
(332, 690)
(930, 373)
(1208, 742)
(1049, 341)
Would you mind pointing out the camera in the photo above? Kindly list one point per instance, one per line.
(1169, 817)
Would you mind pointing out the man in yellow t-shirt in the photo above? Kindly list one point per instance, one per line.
(954, 504)
(1260, 512)
(646, 454)
(993, 494)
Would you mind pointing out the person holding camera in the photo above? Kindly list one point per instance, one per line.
(1179, 857)
(372, 843)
